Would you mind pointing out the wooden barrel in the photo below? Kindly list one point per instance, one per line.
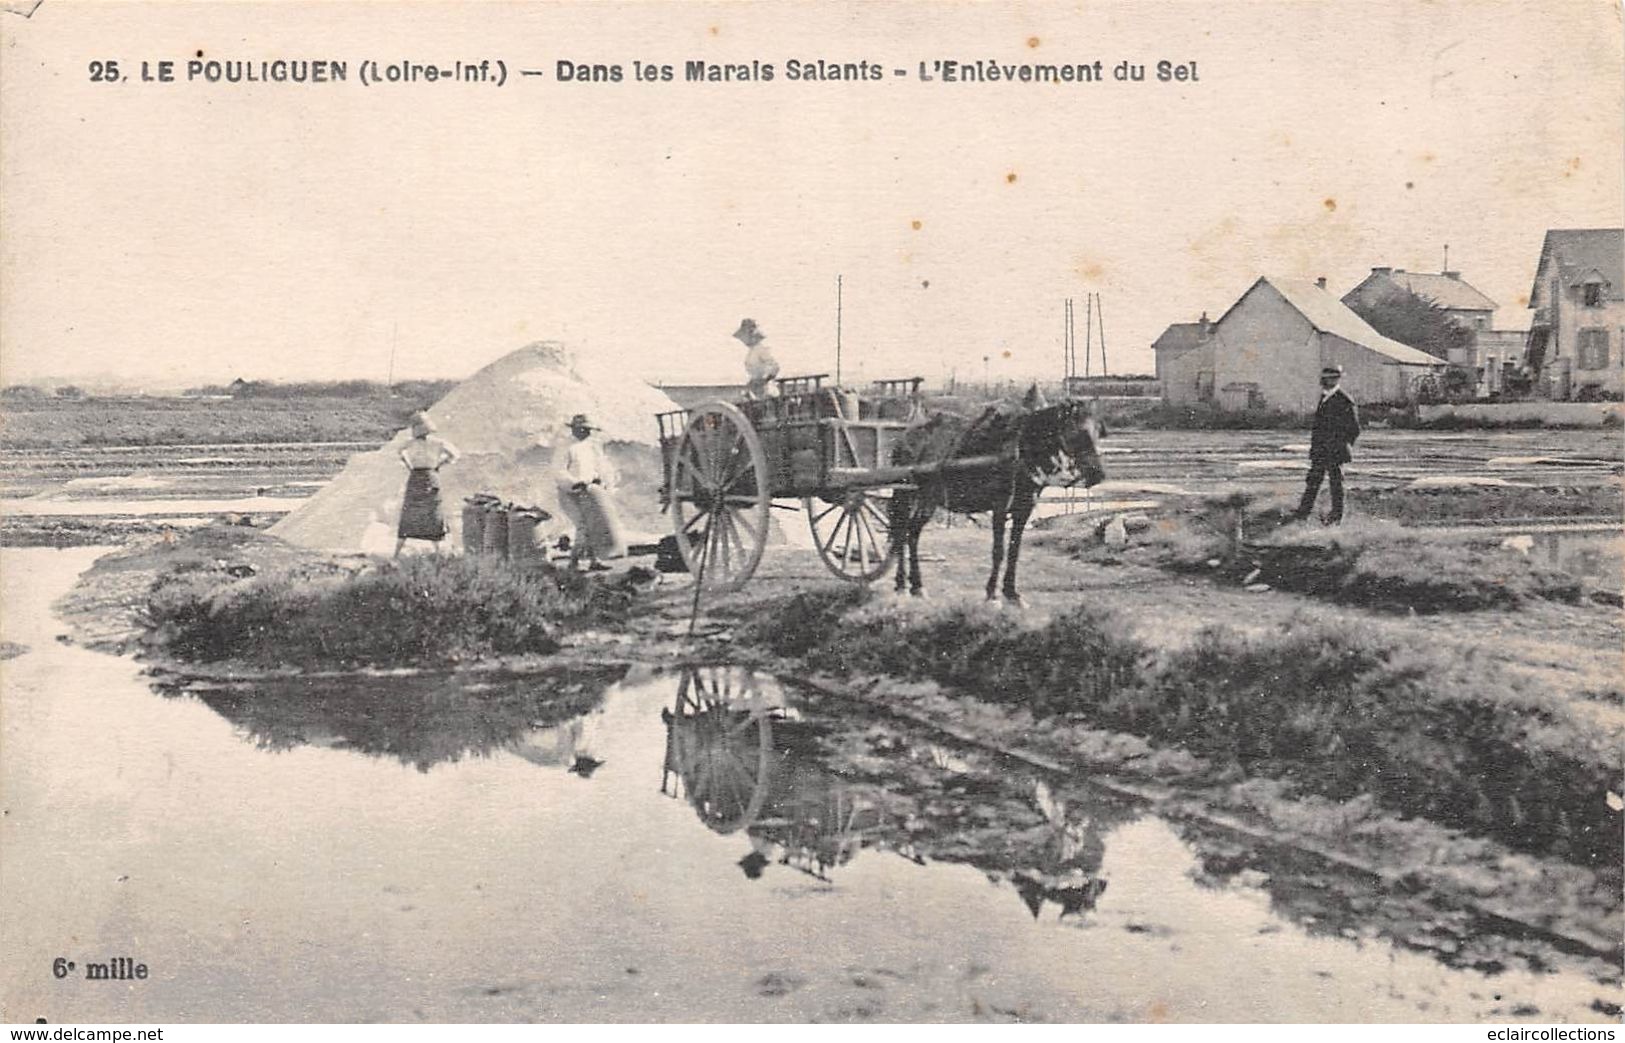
(474, 508)
(494, 533)
(526, 544)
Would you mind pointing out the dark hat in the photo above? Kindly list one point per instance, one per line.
(580, 422)
(1331, 371)
(748, 331)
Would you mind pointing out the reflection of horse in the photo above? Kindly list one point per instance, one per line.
(1065, 866)
(1008, 457)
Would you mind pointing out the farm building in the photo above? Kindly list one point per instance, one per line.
(1577, 334)
(1459, 299)
(1185, 348)
(1268, 349)
(1488, 352)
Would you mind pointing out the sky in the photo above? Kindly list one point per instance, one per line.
(173, 234)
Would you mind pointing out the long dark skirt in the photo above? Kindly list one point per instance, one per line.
(420, 508)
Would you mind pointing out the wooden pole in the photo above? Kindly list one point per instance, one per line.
(837, 330)
(1088, 331)
(1100, 316)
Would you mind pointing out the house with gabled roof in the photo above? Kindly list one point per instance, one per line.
(1268, 349)
(1460, 300)
(1184, 355)
(1576, 343)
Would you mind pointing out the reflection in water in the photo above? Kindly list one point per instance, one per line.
(811, 795)
(806, 786)
(421, 720)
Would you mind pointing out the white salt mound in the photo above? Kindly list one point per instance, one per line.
(509, 421)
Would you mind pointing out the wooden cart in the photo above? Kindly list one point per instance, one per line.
(725, 464)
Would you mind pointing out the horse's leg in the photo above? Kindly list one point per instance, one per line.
(902, 522)
(1020, 511)
(998, 554)
(916, 525)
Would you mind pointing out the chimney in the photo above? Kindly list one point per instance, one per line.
(1381, 271)
(1399, 271)
(1321, 282)
(1452, 275)
(1203, 325)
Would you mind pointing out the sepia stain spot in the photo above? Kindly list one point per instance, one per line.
(1005, 354)
(1157, 1013)
(925, 284)
(1010, 178)
(1032, 41)
(715, 31)
(1410, 184)
(1427, 157)
(1330, 204)
(916, 225)
(1523, 300)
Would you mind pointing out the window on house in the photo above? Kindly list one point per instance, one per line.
(1591, 295)
(1593, 349)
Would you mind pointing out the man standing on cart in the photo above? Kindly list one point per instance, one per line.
(583, 480)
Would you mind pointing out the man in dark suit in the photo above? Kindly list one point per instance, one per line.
(1336, 427)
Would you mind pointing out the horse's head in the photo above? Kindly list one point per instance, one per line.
(1061, 445)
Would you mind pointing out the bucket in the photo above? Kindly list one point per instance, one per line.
(494, 533)
(523, 545)
(474, 508)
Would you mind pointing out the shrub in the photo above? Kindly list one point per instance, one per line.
(420, 610)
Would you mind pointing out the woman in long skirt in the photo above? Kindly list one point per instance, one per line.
(423, 456)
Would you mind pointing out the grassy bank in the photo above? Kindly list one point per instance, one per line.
(1338, 711)
(1371, 564)
(419, 611)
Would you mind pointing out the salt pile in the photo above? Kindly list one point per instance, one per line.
(510, 422)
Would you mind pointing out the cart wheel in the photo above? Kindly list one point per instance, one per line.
(720, 744)
(853, 534)
(720, 497)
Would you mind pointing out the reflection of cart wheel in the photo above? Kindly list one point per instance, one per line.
(720, 497)
(853, 534)
(722, 749)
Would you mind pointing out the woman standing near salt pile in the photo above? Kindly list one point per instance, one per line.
(420, 506)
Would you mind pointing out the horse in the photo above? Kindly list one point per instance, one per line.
(1009, 456)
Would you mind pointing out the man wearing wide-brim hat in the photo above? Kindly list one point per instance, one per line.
(1337, 425)
(585, 475)
(760, 365)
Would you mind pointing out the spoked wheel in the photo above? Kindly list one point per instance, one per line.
(853, 533)
(720, 744)
(720, 497)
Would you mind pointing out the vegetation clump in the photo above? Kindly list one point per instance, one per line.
(1340, 712)
(423, 610)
